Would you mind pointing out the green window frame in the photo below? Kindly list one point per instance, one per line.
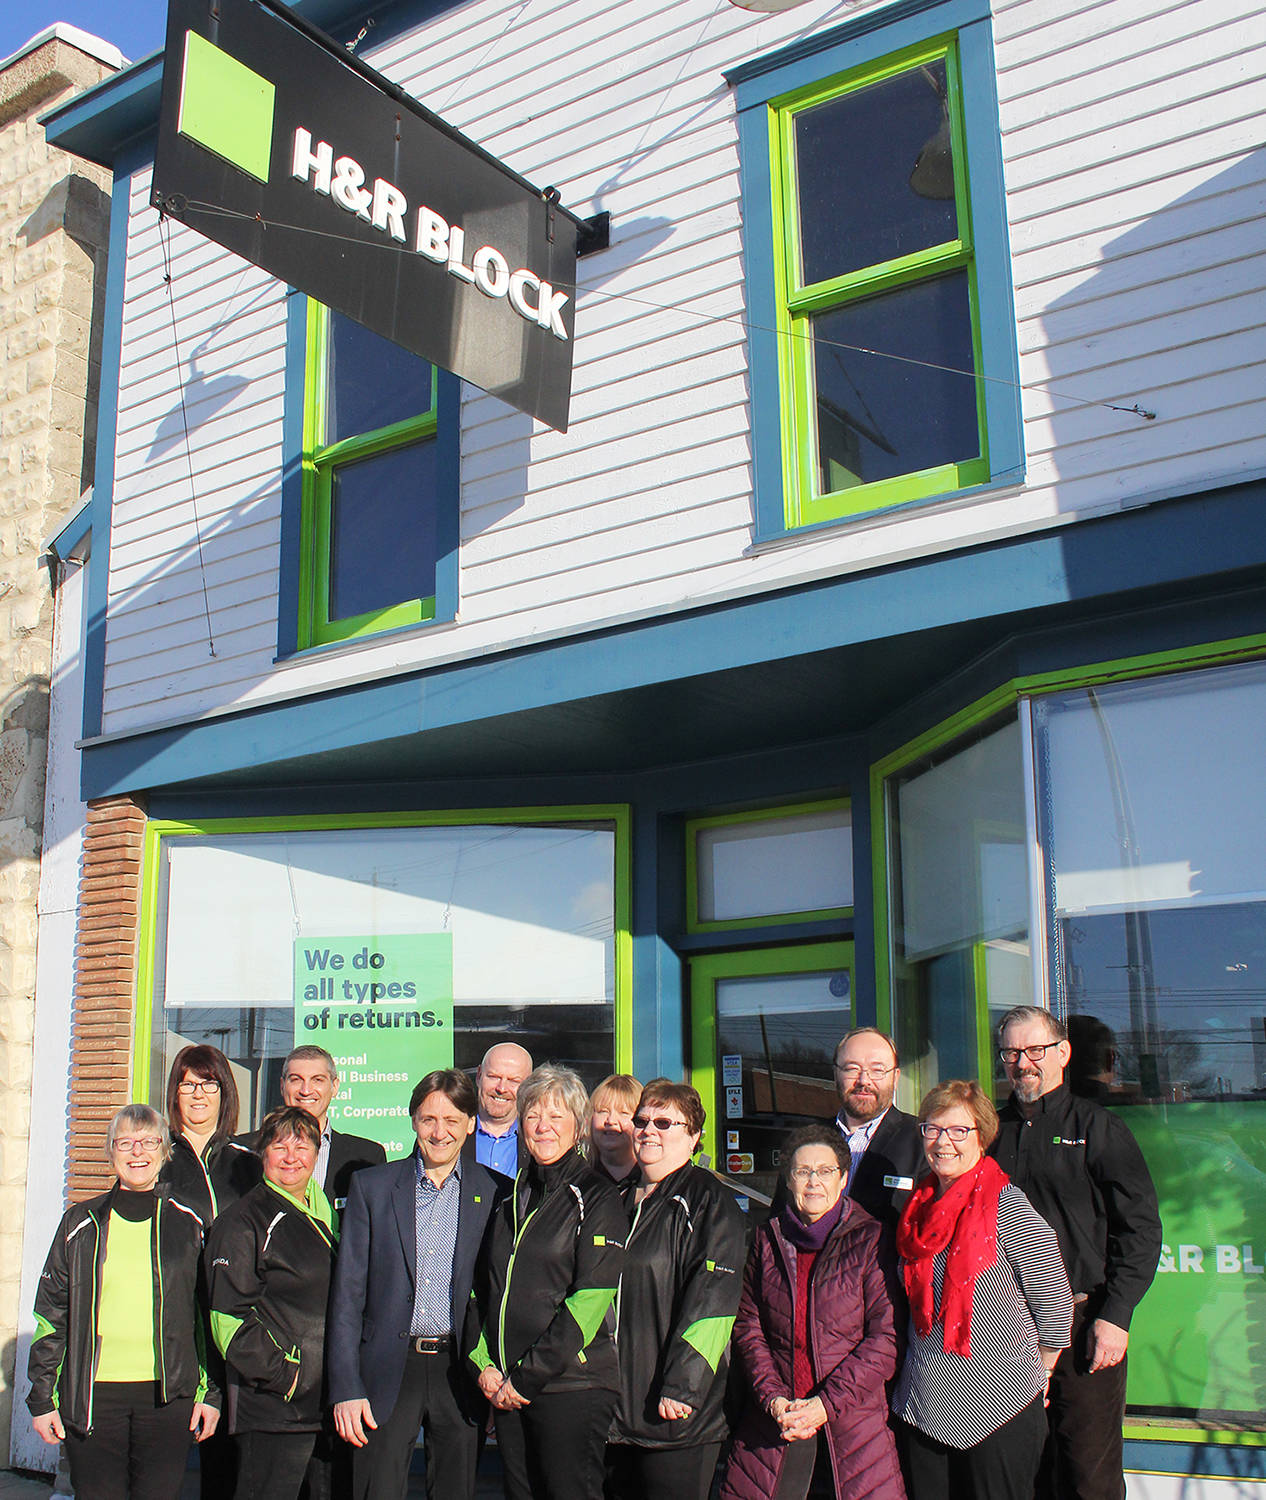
(321, 462)
(695, 826)
(800, 301)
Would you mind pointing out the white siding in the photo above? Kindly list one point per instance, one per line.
(1136, 188)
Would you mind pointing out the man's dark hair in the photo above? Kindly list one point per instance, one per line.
(453, 1084)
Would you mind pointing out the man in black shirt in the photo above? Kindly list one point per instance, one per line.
(1084, 1173)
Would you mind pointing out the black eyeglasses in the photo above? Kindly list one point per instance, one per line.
(660, 1122)
(1034, 1054)
(198, 1086)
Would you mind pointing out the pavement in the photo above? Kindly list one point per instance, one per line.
(16, 1486)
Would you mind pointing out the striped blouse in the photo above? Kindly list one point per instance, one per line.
(1022, 1300)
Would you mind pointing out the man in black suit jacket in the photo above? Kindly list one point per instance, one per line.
(885, 1143)
(411, 1233)
(309, 1080)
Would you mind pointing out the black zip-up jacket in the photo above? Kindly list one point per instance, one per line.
(675, 1309)
(544, 1293)
(212, 1183)
(1084, 1173)
(268, 1268)
(66, 1347)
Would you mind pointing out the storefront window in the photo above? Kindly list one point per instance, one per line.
(1154, 820)
(397, 949)
(960, 896)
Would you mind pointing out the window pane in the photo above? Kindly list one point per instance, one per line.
(961, 893)
(382, 531)
(878, 416)
(522, 917)
(1155, 822)
(875, 175)
(777, 1033)
(372, 382)
(771, 866)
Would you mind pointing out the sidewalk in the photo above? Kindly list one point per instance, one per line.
(18, 1487)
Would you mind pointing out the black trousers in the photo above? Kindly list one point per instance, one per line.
(635, 1473)
(137, 1448)
(279, 1466)
(1084, 1457)
(1002, 1466)
(553, 1448)
(428, 1399)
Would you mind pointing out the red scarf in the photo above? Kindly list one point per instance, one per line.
(964, 1218)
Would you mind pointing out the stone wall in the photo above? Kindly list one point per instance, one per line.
(54, 213)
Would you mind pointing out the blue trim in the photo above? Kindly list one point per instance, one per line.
(292, 475)
(809, 61)
(1208, 1460)
(1183, 544)
(107, 434)
(74, 533)
(448, 492)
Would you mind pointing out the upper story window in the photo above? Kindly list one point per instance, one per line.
(379, 484)
(884, 361)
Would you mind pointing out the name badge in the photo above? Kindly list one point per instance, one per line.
(898, 1182)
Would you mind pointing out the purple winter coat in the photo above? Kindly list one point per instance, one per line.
(852, 1351)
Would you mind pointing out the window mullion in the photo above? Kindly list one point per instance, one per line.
(915, 267)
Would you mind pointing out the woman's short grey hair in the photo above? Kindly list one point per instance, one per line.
(550, 1082)
(134, 1117)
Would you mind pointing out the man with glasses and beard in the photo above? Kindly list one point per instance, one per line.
(883, 1141)
(1082, 1170)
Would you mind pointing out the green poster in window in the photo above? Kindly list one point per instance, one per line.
(1198, 1339)
(382, 1006)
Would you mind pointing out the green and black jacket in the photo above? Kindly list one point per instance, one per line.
(544, 1293)
(67, 1343)
(269, 1259)
(683, 1277)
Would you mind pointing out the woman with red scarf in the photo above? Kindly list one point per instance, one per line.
(816, 1342)
(990, 1309)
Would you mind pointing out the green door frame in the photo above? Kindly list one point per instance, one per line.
(747, 963)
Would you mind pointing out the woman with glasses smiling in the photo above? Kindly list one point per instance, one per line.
(990, 1309)
(207, 1168)
(816, 1342)
(117, 1364)
(675, 1309)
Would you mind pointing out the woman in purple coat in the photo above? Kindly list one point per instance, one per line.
(816, 1343)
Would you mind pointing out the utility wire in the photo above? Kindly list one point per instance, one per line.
(164, 237)
(212, 210)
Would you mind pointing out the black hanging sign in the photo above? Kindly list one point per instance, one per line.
(278, 144)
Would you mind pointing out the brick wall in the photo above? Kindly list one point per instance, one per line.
(105, 986)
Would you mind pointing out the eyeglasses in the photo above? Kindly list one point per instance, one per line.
(198, 1086)
(660, 1122)
(956, 1133)
(127, 1143)
(807, 1174)
(1034, 1054)
(876, 1074)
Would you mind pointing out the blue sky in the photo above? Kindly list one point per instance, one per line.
(136, 27)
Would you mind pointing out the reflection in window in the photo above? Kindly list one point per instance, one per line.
(523, 914)
(960, 890)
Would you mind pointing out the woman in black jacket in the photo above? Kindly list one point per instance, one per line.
(269, 1259)
(117, 1366)
(207, 1168)
(678, 1297)
(545, 1354)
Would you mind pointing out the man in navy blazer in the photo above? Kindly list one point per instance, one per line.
(410, 1236)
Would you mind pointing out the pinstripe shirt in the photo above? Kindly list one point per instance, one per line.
(1021, 1301)
(435, 1228)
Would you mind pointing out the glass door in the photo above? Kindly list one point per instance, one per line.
(765, 1025)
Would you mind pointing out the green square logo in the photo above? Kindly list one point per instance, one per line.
(226, 106)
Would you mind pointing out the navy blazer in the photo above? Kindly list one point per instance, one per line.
(890, 1167)
(371, 1302)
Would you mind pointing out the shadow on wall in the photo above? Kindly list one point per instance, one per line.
(1164, 320)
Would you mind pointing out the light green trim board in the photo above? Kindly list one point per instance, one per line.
(709, 1338)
